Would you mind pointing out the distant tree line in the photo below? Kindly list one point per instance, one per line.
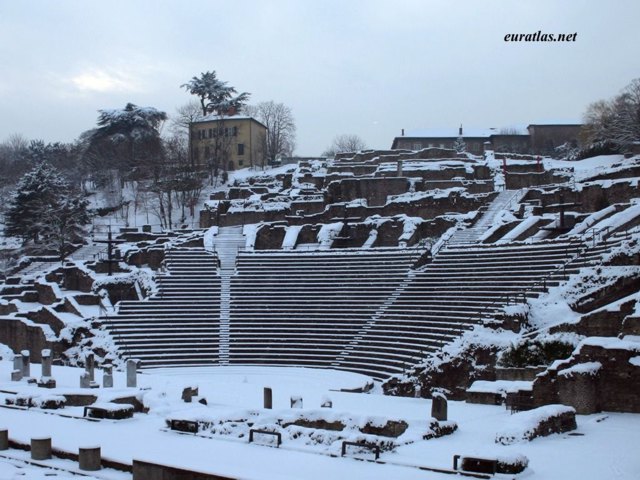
(612, 126)
(126, 164)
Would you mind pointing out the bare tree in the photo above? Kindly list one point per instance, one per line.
(14, 153)
(185, 116)
(281, 128)
(597, 121)
(614, 122)
(345, 143)
(626, 123)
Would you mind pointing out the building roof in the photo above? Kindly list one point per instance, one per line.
(572, 122)
(448, 132)
(466, 132)
(215, 118)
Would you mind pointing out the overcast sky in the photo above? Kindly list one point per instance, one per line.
(360, 67)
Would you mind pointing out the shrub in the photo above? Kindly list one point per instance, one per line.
(531, 353)
(604, 147)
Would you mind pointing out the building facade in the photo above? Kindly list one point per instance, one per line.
(537, 139)
(546, 137)
(230, 142)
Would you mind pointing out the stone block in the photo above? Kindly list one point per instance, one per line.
(17, 363)
(46, 363)
(132, 373)
(90, 366)
(41, 448)
(85, 381)
(188, 393)
(47, 382)
(89, 458)
(267, 398)
(439, 407)
(26, 363)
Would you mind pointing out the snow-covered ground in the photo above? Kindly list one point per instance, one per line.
(604, 445)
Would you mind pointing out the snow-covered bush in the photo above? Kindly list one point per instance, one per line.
(535, 352)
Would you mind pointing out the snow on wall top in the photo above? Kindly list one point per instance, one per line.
(499, 386)
(586, 368)
(610, 343)
(521, 425)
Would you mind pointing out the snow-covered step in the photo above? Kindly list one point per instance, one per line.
(504, 200)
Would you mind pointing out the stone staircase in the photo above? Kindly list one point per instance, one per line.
(472, 235)
(372, 321)
(227, 244)
(89, 252)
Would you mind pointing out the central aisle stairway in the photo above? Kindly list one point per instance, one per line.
(227, 244)
(474, 233)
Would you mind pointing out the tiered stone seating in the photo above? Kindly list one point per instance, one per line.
(360, 310)
(180, 324)
(461, 288)
(303, 308)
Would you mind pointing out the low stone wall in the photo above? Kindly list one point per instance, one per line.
(20, 336)
(150, 257)
(539, 422)
(154, 471)
(518, 374)
(603, 374)
(591, 198)
(374, 190)
(515, 181)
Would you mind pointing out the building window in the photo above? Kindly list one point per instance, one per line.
(240, 163)
(241, 149)
(417, 146)
(211, 133)
(199, 134)
(226, 132)
(235, 131)
(207, 152)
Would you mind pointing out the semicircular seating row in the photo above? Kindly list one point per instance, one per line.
(366, 311)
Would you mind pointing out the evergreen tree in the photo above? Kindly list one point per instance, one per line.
(215, 95)
(459, 145)
(66, 220)
(46, 210)
(127, 139)
(36, 192)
